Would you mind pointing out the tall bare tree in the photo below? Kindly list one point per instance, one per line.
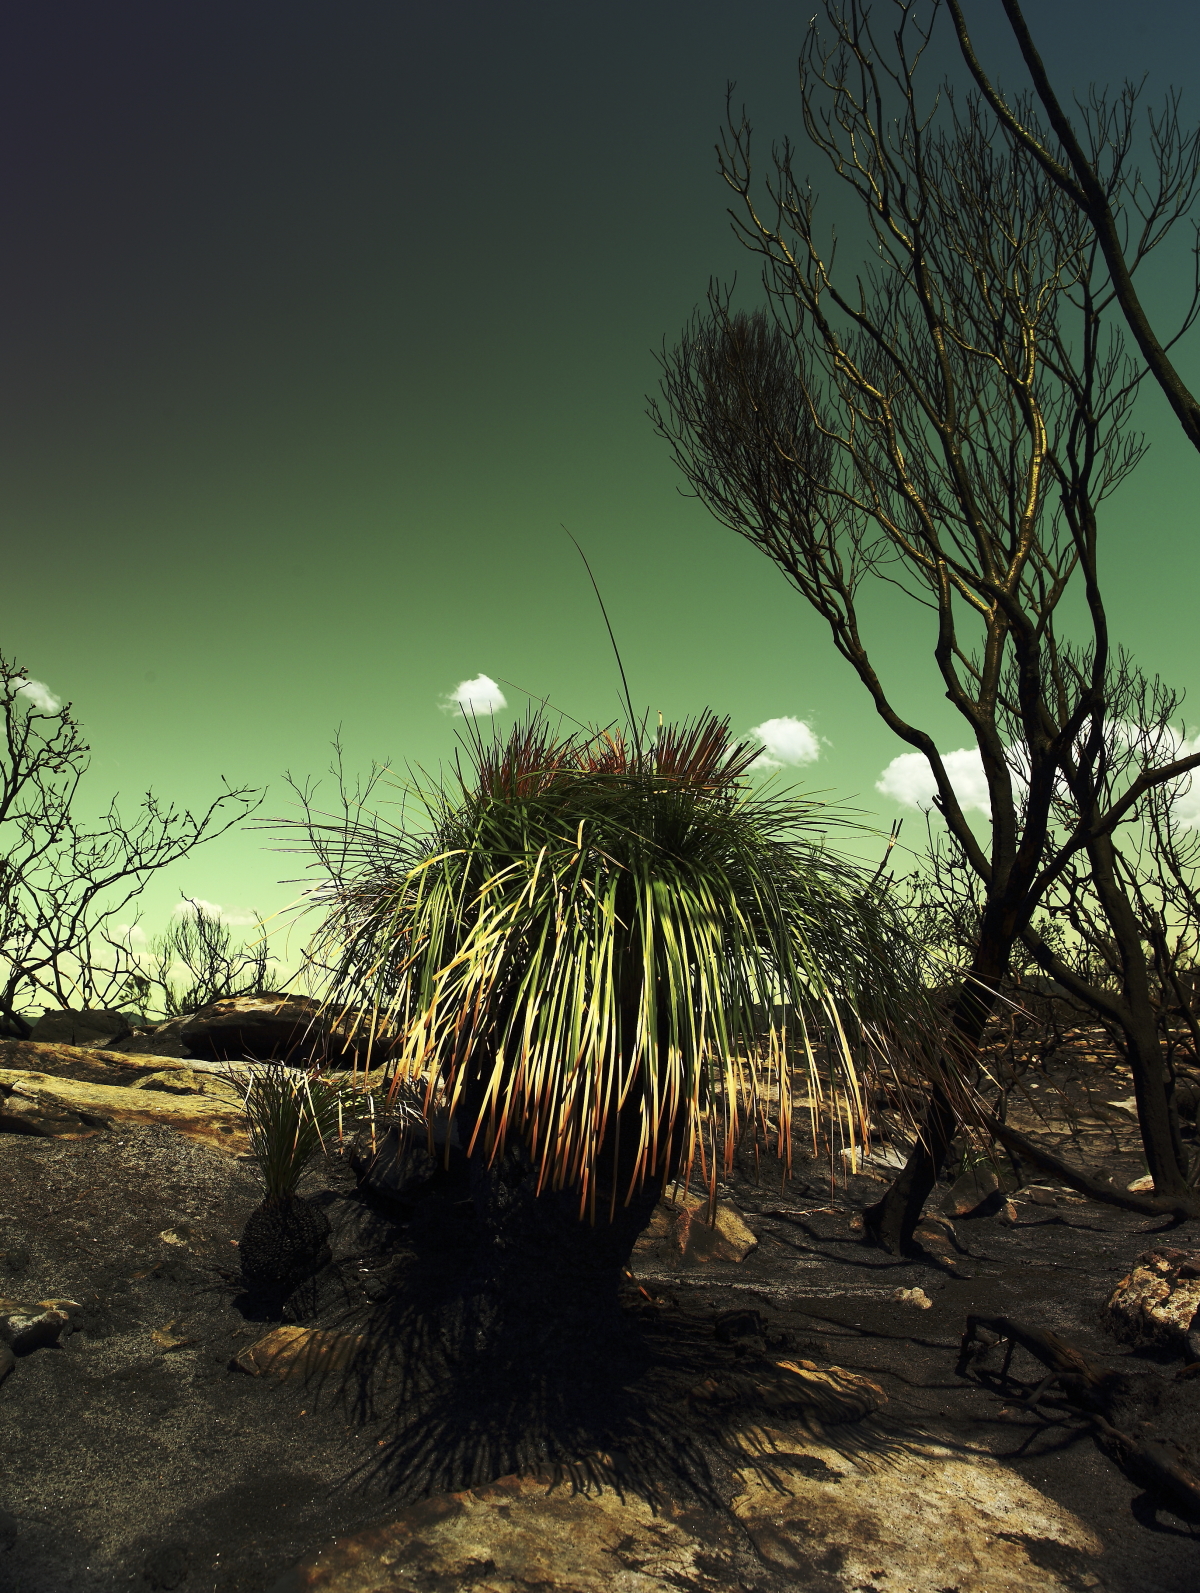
(1110, 192)
(65, 886)
(1118, 927)
(946, 417)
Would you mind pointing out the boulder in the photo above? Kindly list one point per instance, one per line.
(1158, 1303)
(96, 1028)
(263, 1028)
(680, 1233)
(61, 1104)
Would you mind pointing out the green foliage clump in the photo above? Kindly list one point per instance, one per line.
(292, 1115)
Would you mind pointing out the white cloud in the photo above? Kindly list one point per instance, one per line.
(228, 915)
(38, 693)
(1186, 797)
(478, 696)
(909, 780)
(786, 741)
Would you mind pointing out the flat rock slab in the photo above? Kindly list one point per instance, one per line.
(301, 1353)
(806, 1518)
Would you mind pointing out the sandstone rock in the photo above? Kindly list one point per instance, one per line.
(680, 1234)
(300, 1353)
(94, 1028)
(805, 1517)
(1157, 1304)
(40, 1115)
(916, 1297)
(190, 1081)
(43, 1103)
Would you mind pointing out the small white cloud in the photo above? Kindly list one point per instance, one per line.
(39, 694)
(478, 696)
(1185, 799)
(909, 780)
(228, 915)
(786, 741)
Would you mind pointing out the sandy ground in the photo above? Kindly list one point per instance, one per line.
(135, 1455)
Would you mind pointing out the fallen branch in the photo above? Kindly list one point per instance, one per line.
(1094, 1188)
(1087, 1387)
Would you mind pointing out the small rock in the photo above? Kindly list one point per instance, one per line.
(300, 1352)
(979, 1192)
(33, 1327)
(1142, 1186)
(173, 1336)
(883, 1158)
(916, 1297)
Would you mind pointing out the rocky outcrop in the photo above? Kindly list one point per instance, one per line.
(1159, 1302)
(805, 1516)
(69, 1092)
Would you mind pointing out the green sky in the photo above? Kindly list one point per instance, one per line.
(321, 318)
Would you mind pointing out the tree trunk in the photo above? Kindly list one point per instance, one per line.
(1165, 1157)
(545, 1282)
(891, 1222)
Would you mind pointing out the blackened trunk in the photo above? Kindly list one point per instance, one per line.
(890, 1223)
(546, 1281)
(1165, 1157)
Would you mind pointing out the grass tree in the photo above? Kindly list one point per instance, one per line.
(606, 957)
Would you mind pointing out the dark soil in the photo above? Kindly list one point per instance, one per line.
(135, 1455)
